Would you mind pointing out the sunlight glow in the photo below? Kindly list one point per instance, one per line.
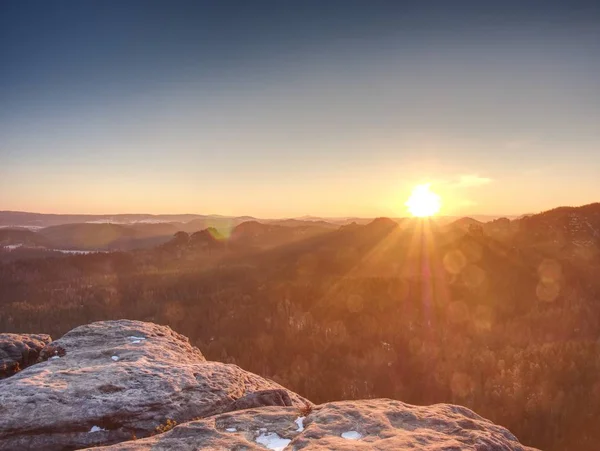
(423, 202)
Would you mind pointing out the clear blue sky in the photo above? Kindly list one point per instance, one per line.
(285, 108)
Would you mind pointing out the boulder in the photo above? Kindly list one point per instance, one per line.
(377, 424)
(18, 351)
(116, 380)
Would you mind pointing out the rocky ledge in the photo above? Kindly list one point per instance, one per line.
(18, 351)
(115, 382)
(379, 424)
(120, 379)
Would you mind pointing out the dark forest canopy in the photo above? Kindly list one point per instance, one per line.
(502, 317)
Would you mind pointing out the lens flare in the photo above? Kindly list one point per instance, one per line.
(423, 202)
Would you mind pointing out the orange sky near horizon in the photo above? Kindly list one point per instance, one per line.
(298, 110)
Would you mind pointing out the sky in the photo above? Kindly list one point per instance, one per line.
(289, 108)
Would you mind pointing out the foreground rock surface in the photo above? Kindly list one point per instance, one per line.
(18, 351)
(380, 424)
(119, 379)
(110, 382)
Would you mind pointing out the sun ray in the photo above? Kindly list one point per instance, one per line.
(377, 248)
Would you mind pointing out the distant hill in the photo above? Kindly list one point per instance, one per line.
(12, 237)
(576, 227)
(567, 230)
(466, 223)
(221, 223)
(249, 235)
(189, 223)
(579, 226)
(301, 223)
(27, 219)
(254, 233)
(107, 236)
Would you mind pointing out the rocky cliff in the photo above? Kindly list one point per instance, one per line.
(141, 386)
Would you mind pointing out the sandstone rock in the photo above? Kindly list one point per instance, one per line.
(117, 379)
(51, 351)
(380, 424)
(109, 382)
(263, 398)
(18, 351)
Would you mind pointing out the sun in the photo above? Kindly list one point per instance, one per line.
(423, 202)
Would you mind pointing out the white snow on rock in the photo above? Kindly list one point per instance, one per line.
(55, 357)
(300, 423)
(97, 429)
(272, 441)
(133, 337)
(12, 247)
(115, 358)
(351, 435)
(231, 430)
(136, 341)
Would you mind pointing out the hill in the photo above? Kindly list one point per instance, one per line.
(577, 227)
(107, 236)
(254, 233)
(21, 237)
(245, 237)
(41, 220)
(302, 223)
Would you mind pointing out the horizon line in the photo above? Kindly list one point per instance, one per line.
(306, 217)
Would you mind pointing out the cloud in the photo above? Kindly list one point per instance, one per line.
(471, 180)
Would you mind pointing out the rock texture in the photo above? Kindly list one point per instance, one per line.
(380, 424)
(18, 351)
(115, 382)
(263, 398)
(119, 379)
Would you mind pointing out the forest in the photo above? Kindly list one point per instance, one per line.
(501, 317)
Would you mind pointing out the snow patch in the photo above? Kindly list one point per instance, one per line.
(351, 435)
(272, 441)
(150, 221)
(54, 357)
(126, 222)
(97, 429)
(104, 221)
(136, 340)
(12, 247)
(300, 423)
(115, 358)
(29, 227)
(231, 430)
